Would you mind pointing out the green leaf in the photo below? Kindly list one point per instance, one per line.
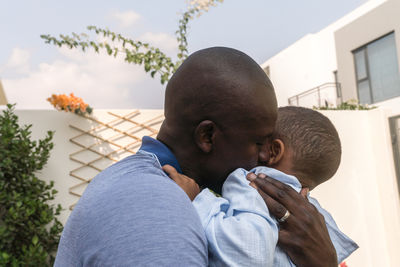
(5, 256)
(24, 198)
(35, 240)
(134, 49)
(147, 67)
(109, 50)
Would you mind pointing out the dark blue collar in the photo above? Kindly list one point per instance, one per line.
(162, 152)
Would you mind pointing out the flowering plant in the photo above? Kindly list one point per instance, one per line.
(70, 103)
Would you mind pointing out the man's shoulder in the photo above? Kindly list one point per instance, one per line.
(139, 162)
(131, 179)
(132, 170)
(130, 210)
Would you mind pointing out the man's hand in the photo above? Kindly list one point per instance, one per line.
(188, 185)
(303, 236)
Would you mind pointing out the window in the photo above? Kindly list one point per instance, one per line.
(377, 71)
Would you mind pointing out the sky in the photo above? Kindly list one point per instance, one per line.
(31, 70)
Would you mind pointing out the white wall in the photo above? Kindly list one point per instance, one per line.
(363, 196)
(59, 165)
(310, 61)
(392, 105)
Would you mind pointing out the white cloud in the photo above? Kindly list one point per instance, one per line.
(125, 18)
(19, 60)
(102, 81)
(166, 42)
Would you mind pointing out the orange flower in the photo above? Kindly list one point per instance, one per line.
(69, 103)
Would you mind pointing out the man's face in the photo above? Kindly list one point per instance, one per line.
(240, 146)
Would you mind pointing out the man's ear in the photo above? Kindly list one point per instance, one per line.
(204, 135)
(277, 149)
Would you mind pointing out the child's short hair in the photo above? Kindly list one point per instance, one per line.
(313, 139)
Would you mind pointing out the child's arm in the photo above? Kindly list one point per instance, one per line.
(235, 239)
(239, 229)
(188, 185)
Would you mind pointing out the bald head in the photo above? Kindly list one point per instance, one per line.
(219, 109)
(220, 84)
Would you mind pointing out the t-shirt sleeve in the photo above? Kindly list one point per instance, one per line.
(141, 220)
(239, 229)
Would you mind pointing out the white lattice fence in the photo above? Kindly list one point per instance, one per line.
(105, 141)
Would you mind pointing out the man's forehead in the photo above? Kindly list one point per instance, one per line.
(258, 127)
(264, 116)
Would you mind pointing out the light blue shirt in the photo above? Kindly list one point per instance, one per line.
(240, 230)
(133, 214)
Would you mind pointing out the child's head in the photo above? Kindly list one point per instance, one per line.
(306, 145)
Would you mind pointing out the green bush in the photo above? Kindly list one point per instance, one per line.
(348, 105)
(29, 229)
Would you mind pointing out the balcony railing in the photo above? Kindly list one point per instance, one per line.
(324, 95)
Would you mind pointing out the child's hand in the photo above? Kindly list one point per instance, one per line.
(188, 185)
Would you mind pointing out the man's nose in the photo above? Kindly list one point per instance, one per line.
(263, 155)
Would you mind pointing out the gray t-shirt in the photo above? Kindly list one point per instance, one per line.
(132, 214)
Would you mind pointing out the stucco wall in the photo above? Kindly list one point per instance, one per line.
(362, 197)
(302, 66)
(59, 165)
(310, 61)
(373, 25)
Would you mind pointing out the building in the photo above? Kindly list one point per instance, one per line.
(368, 60)
(321, 64)
(3, 99)
(355, 58)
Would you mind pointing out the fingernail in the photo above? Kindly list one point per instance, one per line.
(251, 176)
(262, 175)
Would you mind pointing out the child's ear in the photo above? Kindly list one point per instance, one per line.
(277, 149)
(204, 135)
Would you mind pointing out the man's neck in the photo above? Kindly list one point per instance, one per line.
(183, 153)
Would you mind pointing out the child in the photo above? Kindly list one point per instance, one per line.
(305, 152)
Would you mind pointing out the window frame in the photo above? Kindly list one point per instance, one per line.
(367, 67)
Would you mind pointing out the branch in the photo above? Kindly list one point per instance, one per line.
(135, 52)
(196, 7)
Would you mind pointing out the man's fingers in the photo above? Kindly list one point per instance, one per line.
(280, 192)
(274, 207)
(288, 242)
(251, 176)
(304, 192)
(253, 185)
(284, 239)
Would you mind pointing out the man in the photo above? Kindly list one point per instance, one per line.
(220, 110)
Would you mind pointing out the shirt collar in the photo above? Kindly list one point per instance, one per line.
(163, 153)
(282, 177)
